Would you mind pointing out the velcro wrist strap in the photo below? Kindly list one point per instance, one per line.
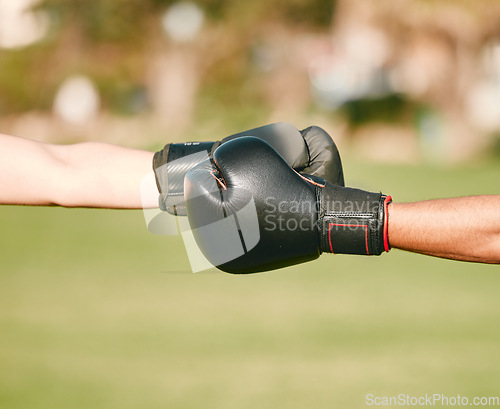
(352, 221)
(171, 165)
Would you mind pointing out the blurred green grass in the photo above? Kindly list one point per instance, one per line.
(96, 312)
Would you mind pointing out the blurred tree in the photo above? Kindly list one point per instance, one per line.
(110, 41)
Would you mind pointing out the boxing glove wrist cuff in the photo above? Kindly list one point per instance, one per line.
(170, 165)
(352, 221)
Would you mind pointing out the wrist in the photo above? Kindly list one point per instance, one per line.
(352, 221)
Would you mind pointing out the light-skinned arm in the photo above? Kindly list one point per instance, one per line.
(89, 174)
(463, 228)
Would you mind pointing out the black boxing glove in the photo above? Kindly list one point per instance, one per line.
(249, 211)
(310, 151)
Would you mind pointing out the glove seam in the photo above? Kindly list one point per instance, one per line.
(351, 214)
(309, 159)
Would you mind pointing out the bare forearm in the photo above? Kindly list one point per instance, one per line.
(465, 228)
(89, 174)
(103, 175)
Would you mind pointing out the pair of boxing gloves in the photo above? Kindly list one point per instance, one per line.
(268, 198)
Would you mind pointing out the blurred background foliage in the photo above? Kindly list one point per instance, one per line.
(110, 42)
(416, 80)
